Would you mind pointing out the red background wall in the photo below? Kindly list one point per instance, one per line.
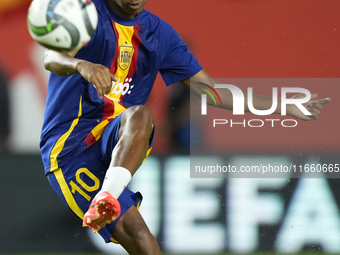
(278, 39)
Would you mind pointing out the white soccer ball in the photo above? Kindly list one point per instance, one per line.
(62, 25)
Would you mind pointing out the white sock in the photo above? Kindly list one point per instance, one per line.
(115, 181)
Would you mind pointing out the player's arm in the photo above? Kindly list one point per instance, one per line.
(66, 64)
(314, 106)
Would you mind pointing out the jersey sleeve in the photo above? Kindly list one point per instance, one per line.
(178, 62)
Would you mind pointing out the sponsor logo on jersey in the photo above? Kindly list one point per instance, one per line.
(120, 89)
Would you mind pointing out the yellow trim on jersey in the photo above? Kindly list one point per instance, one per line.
(126, 52)
(61, 141)
(98, 130)
(113, 240)
(147, 153)
(67, 193)
(118, 110)
(125, 43)
(57, 171)
(138, 205)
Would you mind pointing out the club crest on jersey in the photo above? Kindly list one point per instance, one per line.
(125, 55)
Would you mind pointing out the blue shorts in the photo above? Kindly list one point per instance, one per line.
(77, 182)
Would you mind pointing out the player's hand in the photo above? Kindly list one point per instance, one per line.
(314, 106)
(99, 75)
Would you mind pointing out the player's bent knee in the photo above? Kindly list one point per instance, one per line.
(142, 113)
(139, 118)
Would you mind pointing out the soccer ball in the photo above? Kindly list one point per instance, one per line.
(62, 25)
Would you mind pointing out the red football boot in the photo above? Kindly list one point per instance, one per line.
(103, 210)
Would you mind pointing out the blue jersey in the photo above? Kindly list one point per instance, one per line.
(135, 50)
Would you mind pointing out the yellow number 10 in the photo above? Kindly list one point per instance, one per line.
(88, 188)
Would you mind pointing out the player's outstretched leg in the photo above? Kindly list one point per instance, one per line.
(134, 138)
(134, 235)
(136, 126)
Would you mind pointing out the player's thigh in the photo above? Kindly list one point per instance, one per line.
(109, 139)
(110, 136)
